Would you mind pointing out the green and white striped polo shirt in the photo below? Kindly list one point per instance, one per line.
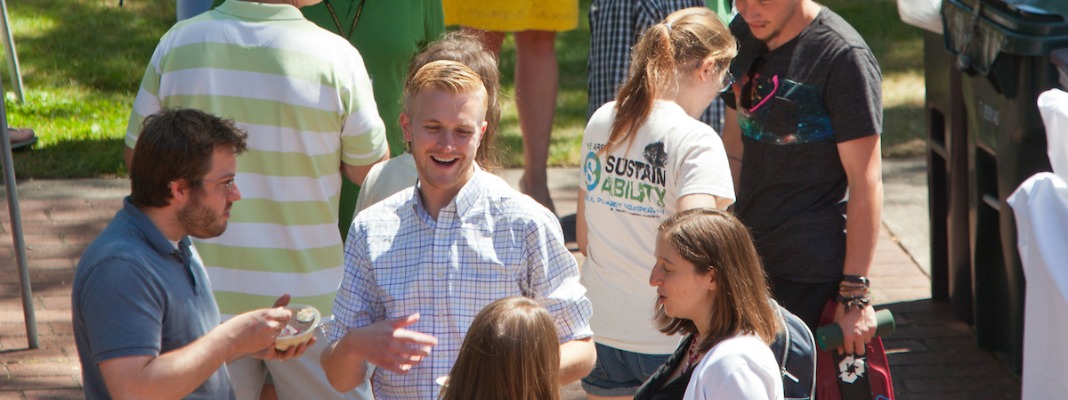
(304, 97)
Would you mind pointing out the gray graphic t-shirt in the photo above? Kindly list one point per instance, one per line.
(797, 103)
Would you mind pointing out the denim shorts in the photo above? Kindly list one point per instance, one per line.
(620, 372)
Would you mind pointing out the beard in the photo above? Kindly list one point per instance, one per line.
(200, 221)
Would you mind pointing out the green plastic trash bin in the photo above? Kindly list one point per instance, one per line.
(947, 179)
(1003, 47)
(947, 161)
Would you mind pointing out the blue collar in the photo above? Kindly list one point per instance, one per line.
(155, 238)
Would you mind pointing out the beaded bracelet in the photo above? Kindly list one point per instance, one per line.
(852, 286)
(854, 302)
(854, 292)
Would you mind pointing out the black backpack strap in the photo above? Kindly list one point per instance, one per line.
(795, 350)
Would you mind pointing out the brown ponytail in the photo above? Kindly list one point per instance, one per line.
(685, 37)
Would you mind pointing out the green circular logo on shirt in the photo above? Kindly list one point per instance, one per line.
(591, 171)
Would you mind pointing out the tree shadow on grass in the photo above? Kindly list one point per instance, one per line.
(66, 159)
(68, 48)
(91, 43)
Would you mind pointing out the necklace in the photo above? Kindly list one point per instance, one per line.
(691, 356)
(337, 22)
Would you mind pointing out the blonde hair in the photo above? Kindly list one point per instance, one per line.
(715, 241)
(467, 49)
(447, 76)
(664, 50)
(511, 351)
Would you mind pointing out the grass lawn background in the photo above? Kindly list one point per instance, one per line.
(82, 62)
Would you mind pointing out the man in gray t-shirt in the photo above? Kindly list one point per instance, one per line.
(803, 134)
(145, 321)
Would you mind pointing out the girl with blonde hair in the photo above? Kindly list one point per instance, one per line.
(646, 156)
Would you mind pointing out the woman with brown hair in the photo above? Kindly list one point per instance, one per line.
(510, 352)
(646, 156)
(711, 287)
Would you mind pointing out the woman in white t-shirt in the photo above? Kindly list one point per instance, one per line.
(645, 157)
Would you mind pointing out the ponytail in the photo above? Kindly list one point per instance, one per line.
(652, 66)
(684, 36)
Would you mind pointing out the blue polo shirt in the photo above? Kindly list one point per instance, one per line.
(136, 294)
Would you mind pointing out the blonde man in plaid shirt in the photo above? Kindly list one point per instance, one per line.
(421, 264)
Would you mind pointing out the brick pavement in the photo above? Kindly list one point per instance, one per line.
(932, 355)
(59, 219)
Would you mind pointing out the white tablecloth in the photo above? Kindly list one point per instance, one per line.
(1040, 205)
(1053, 105)
(1041, 208)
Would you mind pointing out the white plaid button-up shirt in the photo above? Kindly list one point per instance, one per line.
(490, 242)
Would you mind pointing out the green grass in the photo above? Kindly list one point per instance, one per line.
(82, 61)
